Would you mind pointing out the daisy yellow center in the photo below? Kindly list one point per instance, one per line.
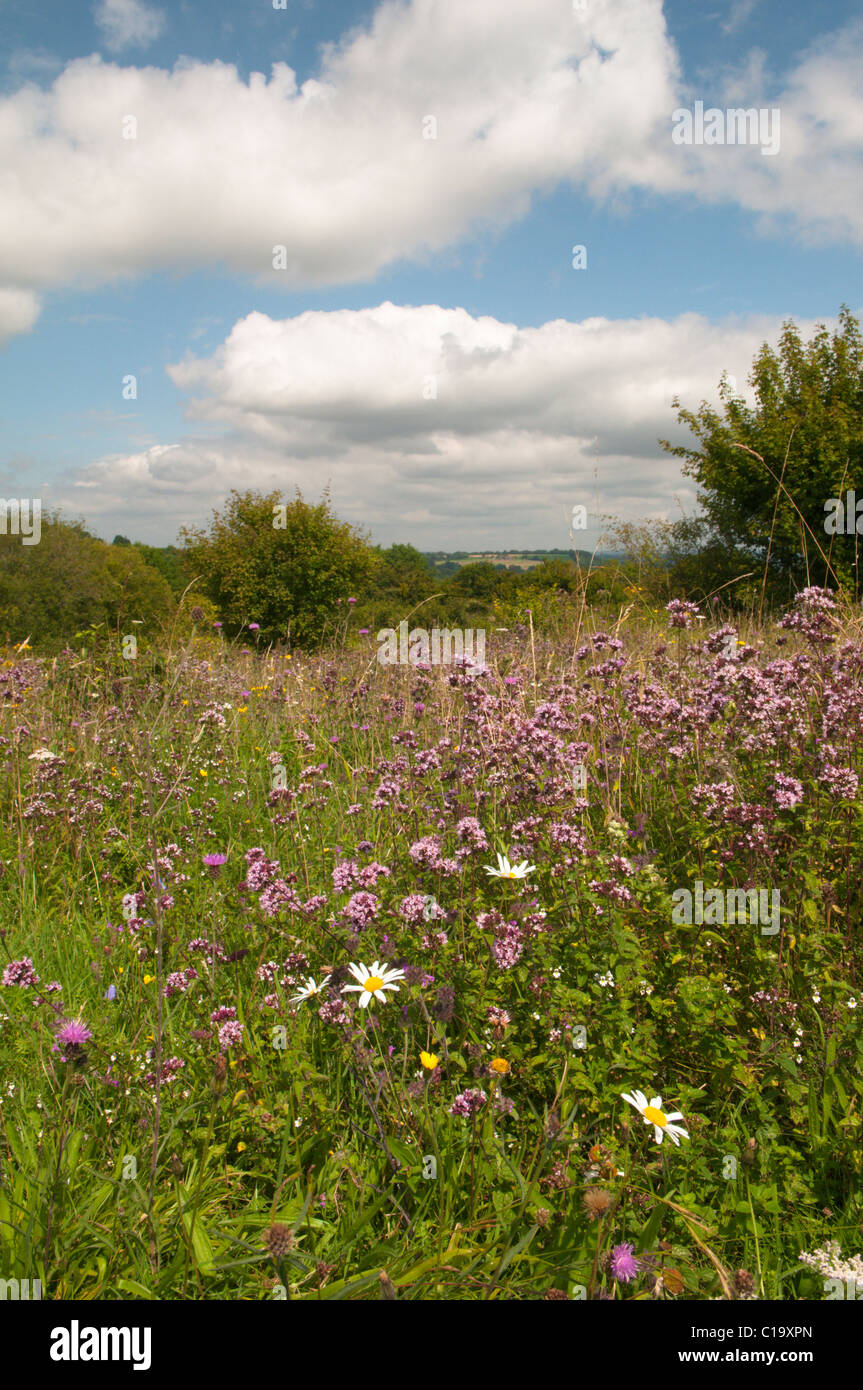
(511, 874)
(372, 982)
(656, 1117)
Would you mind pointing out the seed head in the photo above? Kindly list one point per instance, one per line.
(598, 1202)
(279, 1240)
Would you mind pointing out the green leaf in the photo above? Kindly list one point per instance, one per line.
(201, 1244)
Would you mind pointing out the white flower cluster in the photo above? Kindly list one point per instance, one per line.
(828, 1260)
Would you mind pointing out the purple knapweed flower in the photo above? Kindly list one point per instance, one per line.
(71, 1036)
(624, 1265)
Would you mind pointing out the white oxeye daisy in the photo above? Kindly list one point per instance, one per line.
(310, 989)
(506, 870)
(372, 983)
(653, 1114)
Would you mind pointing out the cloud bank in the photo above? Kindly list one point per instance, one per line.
(431, 425)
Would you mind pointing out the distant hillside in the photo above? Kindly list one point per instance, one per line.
(447, 562)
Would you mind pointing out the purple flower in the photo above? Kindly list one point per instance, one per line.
(361, 909)
(624, 1265)
(230, 1034)
(351, 600)
(110, 992)
(364, 632)
(254, 627)
(468, 1103)
(168, 1072)
(214, 863)
(21, 973)
(72, 1035)
(413, 909)
(787, 791)
(841, 781)
(217, 624)
(681, 612)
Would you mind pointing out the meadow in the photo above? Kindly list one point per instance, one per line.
(270, 1027)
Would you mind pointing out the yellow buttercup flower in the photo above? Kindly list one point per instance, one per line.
(500, 1065)
(429, 1060)
(148, 979)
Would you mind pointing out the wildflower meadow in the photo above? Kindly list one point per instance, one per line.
(331, 979)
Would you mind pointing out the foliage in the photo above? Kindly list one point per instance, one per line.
(286, 566)
(807, 427)
(70, 581)
(357, 807)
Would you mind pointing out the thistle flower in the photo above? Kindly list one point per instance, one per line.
(73, 1033)
(624, 1265)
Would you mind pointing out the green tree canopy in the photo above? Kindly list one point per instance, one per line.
(71, 580)
(807, 426)
(281, 565)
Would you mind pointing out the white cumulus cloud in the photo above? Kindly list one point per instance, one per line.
(521, 97)
(19, 310)
(431, 425)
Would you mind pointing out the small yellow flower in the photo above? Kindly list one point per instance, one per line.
(429, 1060)
(148, 979)
(240, 1147)
(500, 1065)
(202, 772)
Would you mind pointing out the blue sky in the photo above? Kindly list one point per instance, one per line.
(551, 384)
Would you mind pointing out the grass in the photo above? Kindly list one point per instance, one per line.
(116, 1186)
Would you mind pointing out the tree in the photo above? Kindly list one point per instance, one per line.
(71, 580)
(478, 580)
(282, 565)
(170, 562)
(807, 427)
